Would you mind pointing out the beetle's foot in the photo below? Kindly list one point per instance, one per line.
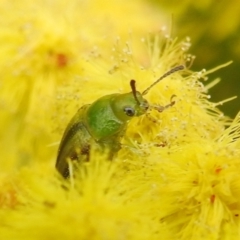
(162, 108)
(163, 144)
(150, 117)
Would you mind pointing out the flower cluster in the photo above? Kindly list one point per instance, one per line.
(176, 175)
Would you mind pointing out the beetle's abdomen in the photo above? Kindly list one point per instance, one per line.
(75, 144)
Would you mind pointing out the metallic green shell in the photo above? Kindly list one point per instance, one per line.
(102, 123)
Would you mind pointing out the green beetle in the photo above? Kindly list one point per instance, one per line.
(103, 123)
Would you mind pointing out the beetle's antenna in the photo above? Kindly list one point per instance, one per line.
(171, 71)
(133, 87)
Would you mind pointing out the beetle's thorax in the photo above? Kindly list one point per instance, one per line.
(101, 120)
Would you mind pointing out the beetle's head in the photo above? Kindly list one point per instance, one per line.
(142, 104)
(128, 105)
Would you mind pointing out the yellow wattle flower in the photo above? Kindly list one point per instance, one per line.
(44, 46)
(176, 176)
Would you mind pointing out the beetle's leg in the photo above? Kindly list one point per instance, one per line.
(71, 164)
(163, 144)
(162, 108)
(86, 152)
(150, 117)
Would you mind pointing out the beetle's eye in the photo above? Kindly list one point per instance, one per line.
(129, 111)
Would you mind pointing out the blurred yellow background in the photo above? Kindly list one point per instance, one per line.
(213, 27)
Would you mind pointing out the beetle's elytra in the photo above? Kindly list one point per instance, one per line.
(103, 123)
